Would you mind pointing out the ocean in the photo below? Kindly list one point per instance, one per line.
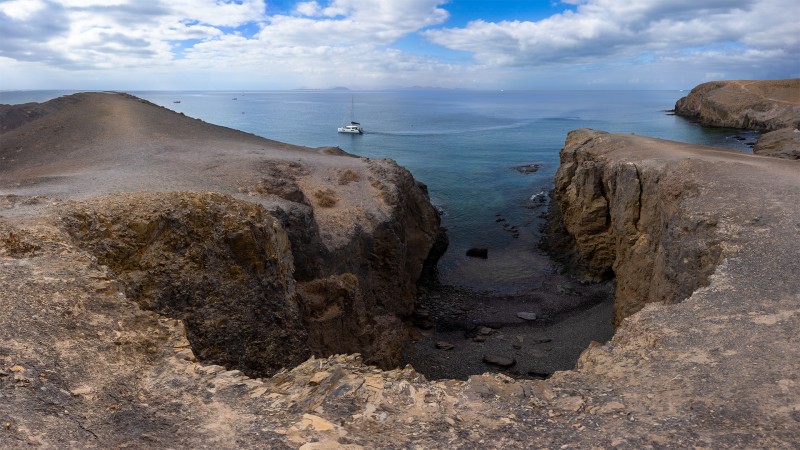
(464, 145)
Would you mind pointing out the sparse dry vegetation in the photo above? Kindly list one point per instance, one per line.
(347, 176)
(326, 198)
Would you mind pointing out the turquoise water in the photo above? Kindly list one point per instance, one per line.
(462, 144)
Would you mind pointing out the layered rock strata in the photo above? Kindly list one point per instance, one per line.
(628, 217)
(771, 106)
(269, 252)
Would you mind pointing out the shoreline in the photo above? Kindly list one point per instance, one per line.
(479, 324)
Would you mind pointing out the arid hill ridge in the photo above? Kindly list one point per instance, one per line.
(330, 224)
(770, 106)
(112, 244)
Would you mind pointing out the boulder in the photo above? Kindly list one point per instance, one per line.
(782, 143)
(478, 253)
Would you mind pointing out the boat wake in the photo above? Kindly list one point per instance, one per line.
(451, 132)
(440, 132)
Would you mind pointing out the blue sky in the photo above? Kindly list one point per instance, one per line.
(377, 44)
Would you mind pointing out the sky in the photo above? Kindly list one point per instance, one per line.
(381, 44)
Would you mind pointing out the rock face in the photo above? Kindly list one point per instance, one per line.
(221, 265)
(353, 233)
(763, 105)
(771, 106)
(628, 215)
(83, 365)
(783, 143)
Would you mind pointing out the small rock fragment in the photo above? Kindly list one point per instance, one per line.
(442, 345)
(478, 253)
(500, 361)
(486, 331)
(318, 378)
(526, 315)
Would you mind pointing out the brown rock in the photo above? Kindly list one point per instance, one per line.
(378, 225)
(782, 143)
(762, 105)
(500, 361)
(442, 345)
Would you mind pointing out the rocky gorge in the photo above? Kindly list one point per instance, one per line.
(167, 283)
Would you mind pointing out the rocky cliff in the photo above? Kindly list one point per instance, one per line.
(628, 217)
(761, 105)
(267, 251)
(89, 360)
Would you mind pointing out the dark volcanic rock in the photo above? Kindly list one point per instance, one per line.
(442, 345)
(528, 168)
(478, 253)
(500, 361)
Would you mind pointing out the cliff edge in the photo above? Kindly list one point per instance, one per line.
(268, 252)
(702, 242)
(770, 106)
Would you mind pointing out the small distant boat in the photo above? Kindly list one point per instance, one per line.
(176, 101)
(353, 127)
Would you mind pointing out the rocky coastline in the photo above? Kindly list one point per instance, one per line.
(119, 280)
(768, 106)
(268, 252)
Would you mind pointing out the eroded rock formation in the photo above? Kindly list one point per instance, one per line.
(628, 216)
(782, 143)
(762, 105)
(83, 365)
(315, 216)
(771, 106)
(221, 265)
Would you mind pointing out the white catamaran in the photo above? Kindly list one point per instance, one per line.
(353, 127)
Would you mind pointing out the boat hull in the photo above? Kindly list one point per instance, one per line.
(350, 131)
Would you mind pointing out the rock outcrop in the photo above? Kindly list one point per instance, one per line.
(762, 105)
(319, 217)
(783, 143)
(629, 217)
(83, 365)
(221, 265)
(771, 106)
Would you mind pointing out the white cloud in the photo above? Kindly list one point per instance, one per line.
(21, 9)
(204, 43)
(308, 8)
(603, 30)
(353, 22)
